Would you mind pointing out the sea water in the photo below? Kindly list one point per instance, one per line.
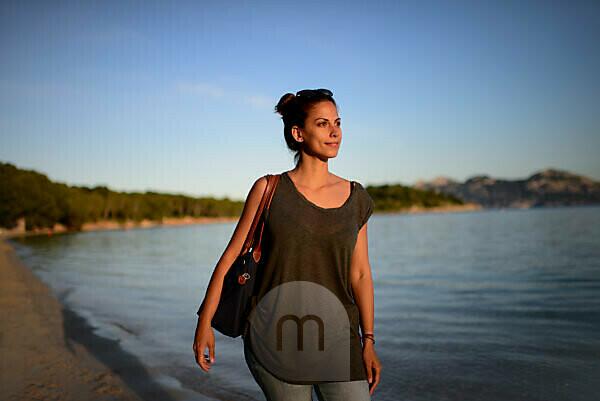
(485, 305)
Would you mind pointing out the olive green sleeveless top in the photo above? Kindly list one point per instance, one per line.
(303, 241)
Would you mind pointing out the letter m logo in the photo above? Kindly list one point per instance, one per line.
(300, 330)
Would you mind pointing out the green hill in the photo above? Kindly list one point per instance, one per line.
(397, 197)
(43, 203)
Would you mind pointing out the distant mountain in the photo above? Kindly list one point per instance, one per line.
(549, 187)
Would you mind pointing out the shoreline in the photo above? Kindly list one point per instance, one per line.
(51, 353)
(111, 225)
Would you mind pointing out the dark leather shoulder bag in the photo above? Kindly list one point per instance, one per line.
(240, 281)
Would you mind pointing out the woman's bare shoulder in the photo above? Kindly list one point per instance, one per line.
(258, 187)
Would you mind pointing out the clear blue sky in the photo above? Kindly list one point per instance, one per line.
(179, 96)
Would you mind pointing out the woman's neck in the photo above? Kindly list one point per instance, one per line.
(311, 176)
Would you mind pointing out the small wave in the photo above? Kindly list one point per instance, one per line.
(126, 329)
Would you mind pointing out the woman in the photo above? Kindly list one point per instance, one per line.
(316, 248)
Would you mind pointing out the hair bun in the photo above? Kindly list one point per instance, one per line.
(284, 103)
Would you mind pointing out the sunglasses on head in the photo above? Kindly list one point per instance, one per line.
(314, 92)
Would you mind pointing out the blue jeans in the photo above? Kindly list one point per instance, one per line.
(277, 390)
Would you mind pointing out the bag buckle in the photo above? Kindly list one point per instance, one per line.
(242, 278)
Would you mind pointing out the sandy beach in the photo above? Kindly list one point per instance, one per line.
(50, 353)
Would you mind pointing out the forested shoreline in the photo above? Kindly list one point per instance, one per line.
(43, 203)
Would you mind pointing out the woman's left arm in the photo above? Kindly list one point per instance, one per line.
(362, 287)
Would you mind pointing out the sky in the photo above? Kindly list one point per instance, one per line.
(179, 96)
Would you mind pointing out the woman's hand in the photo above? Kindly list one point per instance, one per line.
(204, 337)
(372, 365)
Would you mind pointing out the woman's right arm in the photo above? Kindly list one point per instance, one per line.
(204, 335)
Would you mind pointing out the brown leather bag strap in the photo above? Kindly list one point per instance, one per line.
(258, 248)
(255, 220)
(257, 217)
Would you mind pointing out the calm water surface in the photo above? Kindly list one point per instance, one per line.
(490, 305)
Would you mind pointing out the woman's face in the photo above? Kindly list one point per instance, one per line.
(322, 132)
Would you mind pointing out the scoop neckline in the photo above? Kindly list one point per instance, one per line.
(352, 190)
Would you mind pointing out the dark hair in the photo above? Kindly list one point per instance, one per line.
(294, 110)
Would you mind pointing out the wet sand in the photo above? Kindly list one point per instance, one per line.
(51, 353)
